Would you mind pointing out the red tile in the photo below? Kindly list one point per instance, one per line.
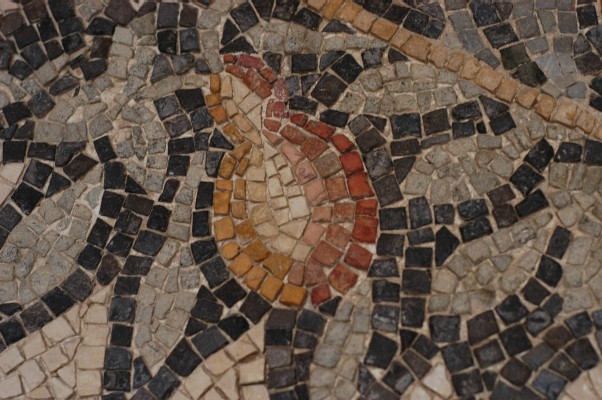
(342, 278)
(271, 125)
(314, 273)
(248, 61)
(365, 229)
(313, 147)
(320, 294)
(229, 58)
(268, 75)
(320, 129)
(352, 163)
(293, 134)
(296, 274)
(342, 143)
(366, 207)
(280, 90)
(338, 236)
(326, 254)
(344, 212)
(257, 84)
(235, 70)
(299, 119)
(359, 186)
(358, 257)
(322, 214)
(279, 110)
(337, 189)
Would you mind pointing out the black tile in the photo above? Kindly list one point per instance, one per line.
(121, 335)
(123, 309)
(398, 378)
(500, 35)
(404, 148)
(328, 89)
(114, 175)
(116, 380)
(99, 234)
(127, 285)
(234, 326)
(215, 271)
(511, 309)
(562, 365)
(530, 74)
(412, 311)
(444, 214)
(149, 243)
(209, 341)
(11, 331)
(347, 68)
(540, 155)
(419, 257)
(406, 125)
(516, 372)
(128, 222)
(20, 70)
(489, 354)
(533, 203)
(471, 209)
(117, 358)
(481, 326)
(72, 43)
(311, 321)
(15, 112)
(35, 316)
(104, 149)
(457, 356)
(163, 384)
(43, 151)
(183, 360)
(79, 166)
(468, 110)
(557, 337)
(568, 152)
(416, 281)
(37, 173)
(463, 129)
(534, 292)
(549, 271)
(420, 213)
(587, 16)
(203, 250)
(141, 373)
(593, 152)
(421, 236)
(244, 16)
(475, 229)
(502, 123)
(583, 353)
(505, 216)
(435, 121)
(78, 285)
(467, 383)
(108, 270)
(537, 356)
(386, 267)
(538, 320)
(580, 324)
(369, 140)
(515, 340)
(230, 293)
(57, 301)
(416, 21)
(26, 197)
(549, 384)
(385, 318)
(9, 217)
(158, 218)
(380, 351)
(334, 118)
(444, 328)
(501, 195)
(101, 26)
(390, 245)
(167, 16)
(392, 218)
(89, 257)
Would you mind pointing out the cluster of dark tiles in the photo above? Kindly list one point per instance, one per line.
(18, 322)
(210, 328)
(176, 29)
(499, 337)
(249, 14)
(290, 340)
(426, 19)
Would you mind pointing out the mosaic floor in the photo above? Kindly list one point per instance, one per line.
(285, 199)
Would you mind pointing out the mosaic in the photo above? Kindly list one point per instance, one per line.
(301, 199)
